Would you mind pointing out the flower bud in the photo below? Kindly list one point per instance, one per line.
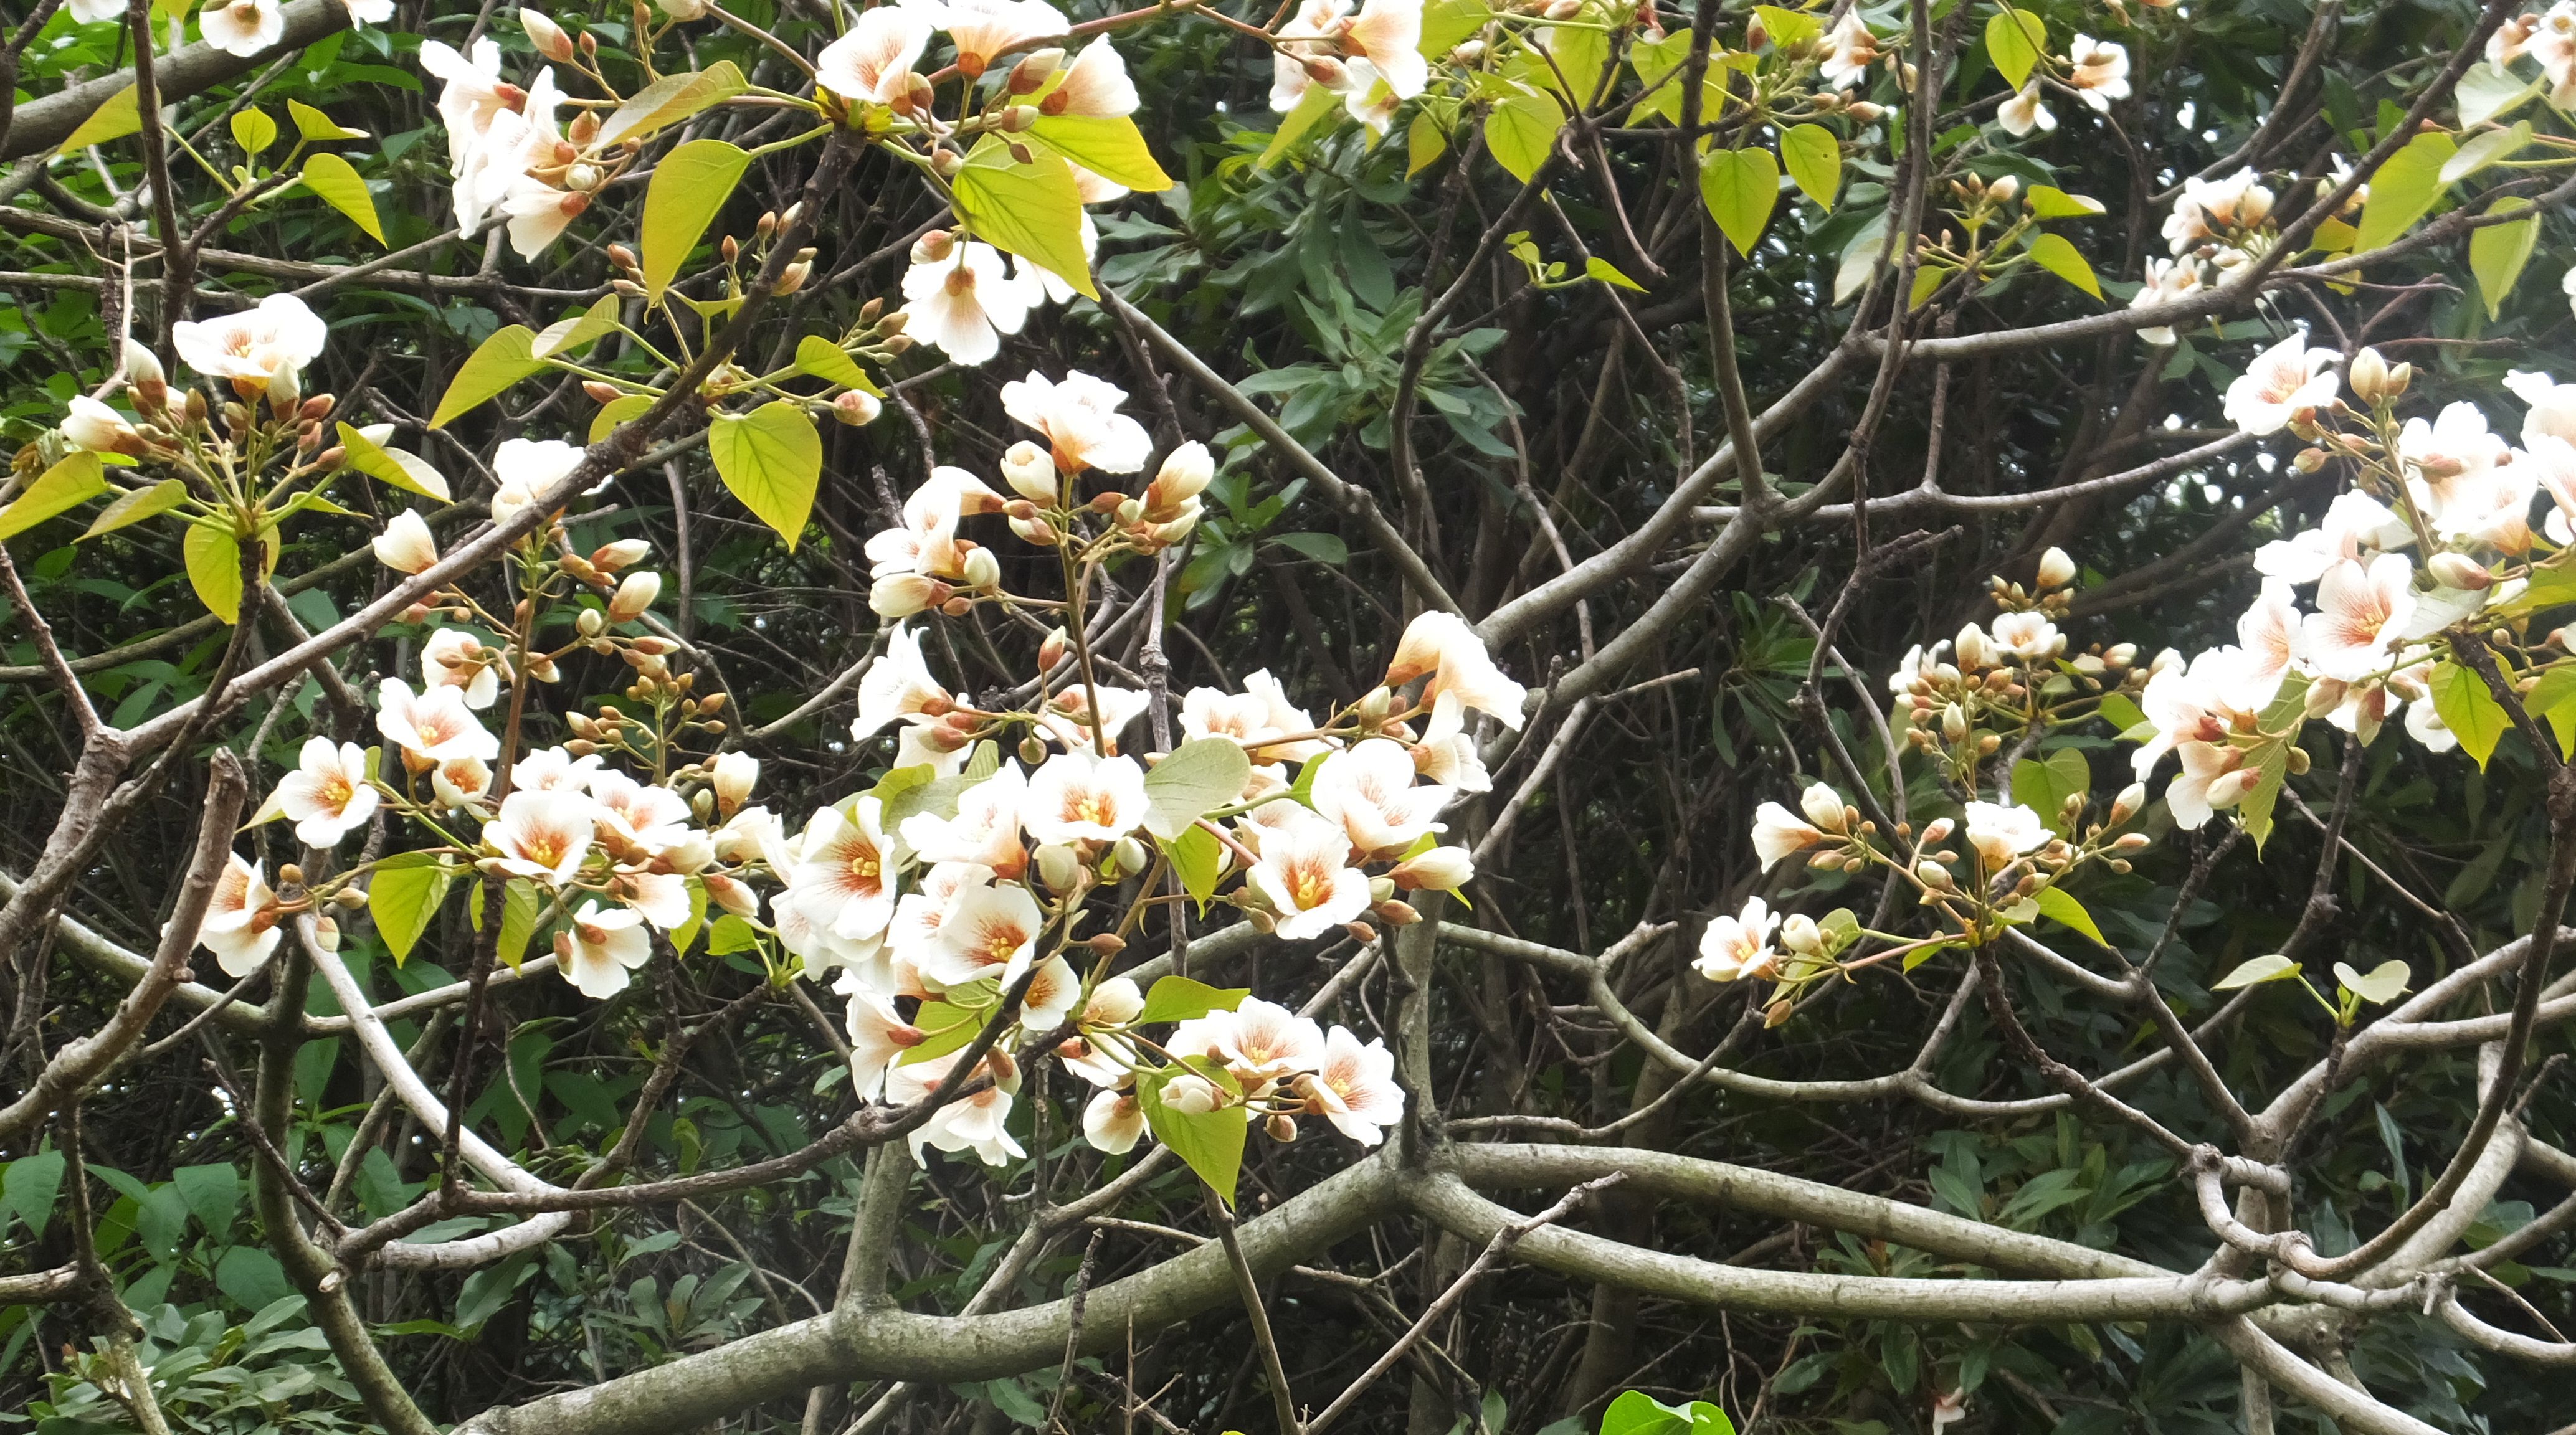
(1361, 932)
(732, 776)
(2056, 570)
(546, 35)
(1037, 531)
(1865, 112)
(1823, 806)
(858, 408)
(1974, 648)
(1441, 869)
(143, 375)
(1051, 650)
(622, 554)
(1933, 875)
(1281, 1127)
(1799, 933)
(1030, 472)
(1184, 475)
(95, 428)
(1937, 831)
(2004, 191)
(1058, 867)
(983, 570)
(2458, 570)
(634, 596)
(406, 545)
(2132, 800)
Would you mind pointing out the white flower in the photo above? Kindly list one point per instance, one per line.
(601, 947)
(985, 831)
(1778, 833)
(878, 1039)
(1263, 1041)
(1095, 83)
(95, 12)
(897, 685)
(94, 427)
(964, 300)
(1370, 791)
(433, 726)
(2217, 209)
(1298, 45)
(2167, 281)
(2280, 382)
(992, 932)
(553, 769)
(1067, 716)
(328, 793)
(2028, 636)
(637, 820)
(265, 348)
(539, 214)
(2553, 405)
(455, 658)
(1463, 676)
(970, 1123)
(2356, 525)
(984, 29)
(2002, 831)
(1076, 797)
(1113, 1122)
(460, 781)
(1851, 51)
(873, 62)
(2361, 610)
(243, 27)
(1739, 946)
(2454, 479)
(1356, 1087)
(525, 469)
(1080, 419)
(543, 836)
(2267, 634)
(1387, 34)
(406, 545)
(918, 917)
(2023, 113)
(1439, 869)
(2100, 70)
(240, 925)
(1453, 761)
(845, 881)
(1306, 877)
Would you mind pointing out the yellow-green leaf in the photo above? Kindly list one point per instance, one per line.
(253, 130)
(502, 360)
(1740, 186)
(825, 360)
(2014, 40)
(115, 118)
(142, 503)
(2379, 986)
(1312, 106)
(689, 188)
(1199, 859)
(2047, 201)
(1181, 999)
(2059, 256)
(2403, 190)
(214, 567)
(2061, 908)
(403, 895)
(671, 99)
(1788, 28)
(2485, 150)
(2554, 700)
(406, 471)
(2498, 252)
(623, 409)
(1199, 777)
(315, 125)
(1581, 54)
(2256, 970)
(772, 459)
(1927, 282)
(1033, 210)
(1521, 129)
(67, 485)
(1425, 141)
(1109, 146)
(1609, 273)
(1447, 22)
(576, 330)
(1815, 161)
(1211, 1142)
(2491, 91)
(2472, 714)
(339, 185)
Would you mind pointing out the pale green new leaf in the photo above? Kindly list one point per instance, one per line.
(1182, 999)
(1740, 187)
(403, 896)
(116, 117)
(2056, 904)
(577, 330)
(771, 459)
(1211, 1142)
(502, 360)
(2498, 252)
(1815, 161)
(1109, 146)
(253, 130)
(2059, 256)
(142, 503)
(2489, 92)
(1198, 858)
(2253, 972)
(1425, 141)
(1033, 210)
(1521, 129)
(671, 99)
(1608, 273)
(1310, 108)
(213, 559)
(76, 480)
(688, 190)
(2049, 202)
(2014, 41)
(2471, 712)
(317, 126)
(623, 409)
(825, 360)
(2381, 985)
(339, 185)
(2484, 150)
(2403, 190)
(407, 471)
(1200, 776)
